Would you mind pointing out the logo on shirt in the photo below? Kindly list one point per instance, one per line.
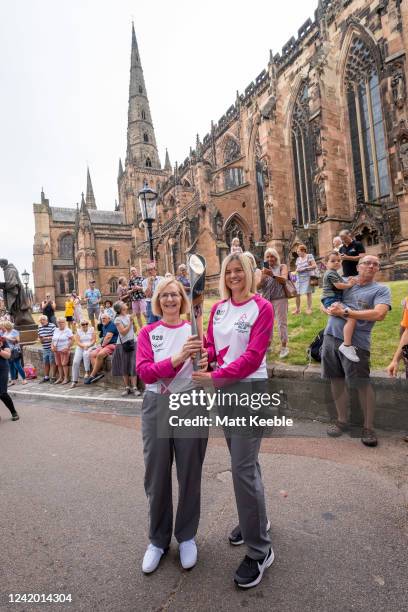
(242, 326)
(157, 341)
(219, 313)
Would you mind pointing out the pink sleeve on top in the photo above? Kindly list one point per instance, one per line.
(209, 337)
(252, 357)
(149, 371)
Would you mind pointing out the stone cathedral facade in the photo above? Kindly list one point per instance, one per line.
(316, 143)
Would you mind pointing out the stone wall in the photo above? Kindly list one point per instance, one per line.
(33, 354)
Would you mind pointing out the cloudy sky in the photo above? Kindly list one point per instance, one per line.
(64, 72)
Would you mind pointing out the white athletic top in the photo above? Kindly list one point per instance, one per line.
(238, 337)
(156, 344)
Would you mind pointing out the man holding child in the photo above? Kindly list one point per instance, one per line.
(365, 302)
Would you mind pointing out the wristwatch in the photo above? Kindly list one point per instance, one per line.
(346, 312)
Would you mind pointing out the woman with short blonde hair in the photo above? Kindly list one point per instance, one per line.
(156, 307)
(164, 362)
(62, 339)
(85, 339)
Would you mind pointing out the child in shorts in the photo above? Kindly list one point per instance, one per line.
(333, 286)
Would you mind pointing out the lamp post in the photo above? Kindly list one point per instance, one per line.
(26, 277)
(147, 202)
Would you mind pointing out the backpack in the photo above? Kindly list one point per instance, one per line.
(314, 350)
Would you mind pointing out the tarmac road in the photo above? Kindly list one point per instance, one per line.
(74, 520)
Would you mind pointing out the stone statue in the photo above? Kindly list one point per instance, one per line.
(15, 298)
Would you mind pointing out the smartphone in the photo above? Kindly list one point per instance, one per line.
(265, 264)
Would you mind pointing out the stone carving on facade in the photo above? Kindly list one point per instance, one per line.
(320, 195)
(316, 132)
(265, 172)
(398, 87)
(403, 156)
(269, 215)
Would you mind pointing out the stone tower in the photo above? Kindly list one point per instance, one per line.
(90, 198)
(142, 161)
(141, 140)
(86, 260)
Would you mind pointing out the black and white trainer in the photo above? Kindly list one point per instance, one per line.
(235, 537)
(250, 572)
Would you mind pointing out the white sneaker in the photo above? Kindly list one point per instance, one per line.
(151, 558)
(284, 352)
(188, 554)
(349, 352)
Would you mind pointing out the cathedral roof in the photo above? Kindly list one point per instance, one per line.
(111, 217)
(105, 217)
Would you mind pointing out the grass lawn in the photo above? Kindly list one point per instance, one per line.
(303, 328)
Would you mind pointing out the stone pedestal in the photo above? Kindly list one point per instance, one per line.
(28, 333)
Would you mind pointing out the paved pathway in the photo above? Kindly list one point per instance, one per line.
(74, 520)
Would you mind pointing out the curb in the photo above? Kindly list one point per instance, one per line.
(80, 403)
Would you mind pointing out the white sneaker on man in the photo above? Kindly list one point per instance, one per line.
(349, 352)
(284, 352)
(188, 554)
(151, 558)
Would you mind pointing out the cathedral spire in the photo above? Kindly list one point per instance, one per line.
(167, 164)
(120, 171)
(141, 140)
(90, 198)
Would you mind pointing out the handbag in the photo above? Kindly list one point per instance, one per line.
(290, 289)
(314, 281)
(128, 346)
(15, 353)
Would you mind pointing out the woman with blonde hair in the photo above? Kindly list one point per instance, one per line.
(238, 335)
(164, 362)
(62, 339)
(273, 277)
(85, 339)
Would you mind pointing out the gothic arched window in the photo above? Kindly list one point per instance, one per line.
(143, 114)
(140, 89)
(367, 133)
(145, 137)
(71, 282)
(303, 159)
(66, 246)
(115, 258)
(106, 258)
(110, 256)
(61, 285)
(113, 286)
(234, 229)
(231, 151)
(148, 162)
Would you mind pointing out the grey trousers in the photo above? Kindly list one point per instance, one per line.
(159, 453)
(249, 494)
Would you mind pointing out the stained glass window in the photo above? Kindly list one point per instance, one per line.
(369, 149)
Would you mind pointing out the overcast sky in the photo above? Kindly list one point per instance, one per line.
(64, 73)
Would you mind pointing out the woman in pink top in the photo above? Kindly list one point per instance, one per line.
(239, 331)
(163, 362)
